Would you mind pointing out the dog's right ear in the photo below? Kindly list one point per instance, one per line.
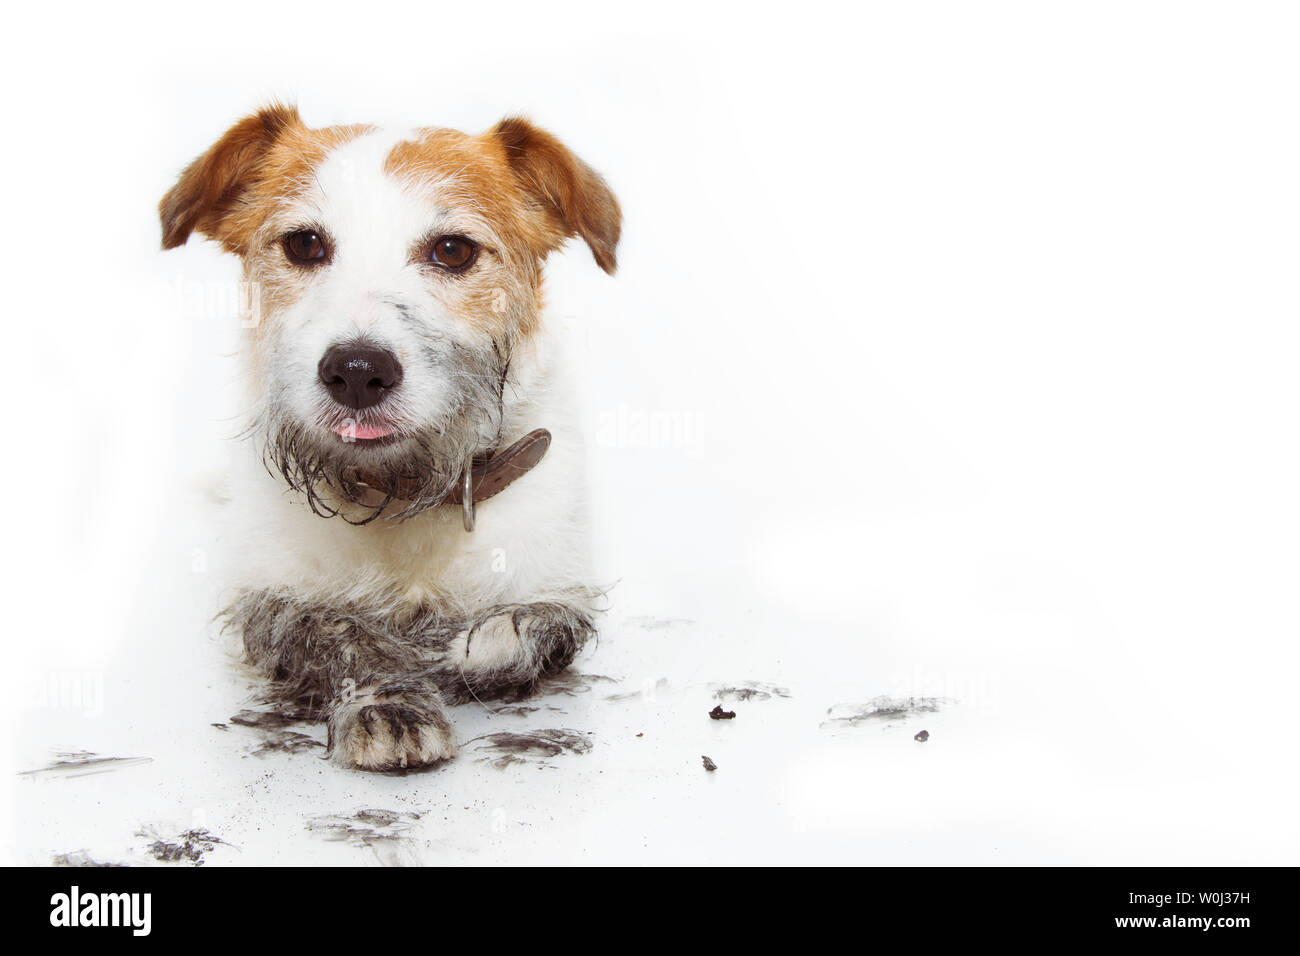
(210, 187)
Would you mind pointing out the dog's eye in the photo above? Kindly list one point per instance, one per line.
(304, 247)
(453, 253)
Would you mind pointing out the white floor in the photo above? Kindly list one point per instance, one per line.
(1032, 756)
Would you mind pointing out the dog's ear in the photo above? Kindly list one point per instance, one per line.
(210, 187)
(572, 191)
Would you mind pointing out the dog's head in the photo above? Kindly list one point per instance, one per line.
(393, 277)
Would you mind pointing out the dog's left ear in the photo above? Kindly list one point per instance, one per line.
(574, 193)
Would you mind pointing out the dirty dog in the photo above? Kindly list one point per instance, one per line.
(410, 516)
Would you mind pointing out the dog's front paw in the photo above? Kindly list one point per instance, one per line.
(374, 733)
(529, 640)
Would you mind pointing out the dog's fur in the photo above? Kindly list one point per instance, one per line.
(374, 612)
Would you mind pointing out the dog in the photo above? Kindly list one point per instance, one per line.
(411, 513)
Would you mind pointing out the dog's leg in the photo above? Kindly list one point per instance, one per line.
(507, 648)
(381, 681)
(362, 674)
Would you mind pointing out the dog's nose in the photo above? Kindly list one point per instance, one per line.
(359, 376)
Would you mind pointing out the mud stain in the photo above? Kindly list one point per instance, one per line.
(569, 683)
(748, 690)
(274, 738)
(79, 858)
(535, 747)
(649, 622)
(276, 719)
(385, 832)
(285, 742)
(82, 763)
(881, 710)
(647, 692)
(189, 847)
(523, 710)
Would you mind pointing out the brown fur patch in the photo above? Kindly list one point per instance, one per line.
(573, 194)
(535, 194)
(523, 179)
(228, 192)
(467, 171)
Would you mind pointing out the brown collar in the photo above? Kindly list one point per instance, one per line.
(486, 475)
(491, 476)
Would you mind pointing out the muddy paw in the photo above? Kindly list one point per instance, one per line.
(388, 735)
(533, 639)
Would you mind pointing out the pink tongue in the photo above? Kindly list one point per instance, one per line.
(363, 432)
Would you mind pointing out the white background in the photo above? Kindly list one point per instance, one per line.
(976, 327)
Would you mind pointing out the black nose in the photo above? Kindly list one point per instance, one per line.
(359, 376)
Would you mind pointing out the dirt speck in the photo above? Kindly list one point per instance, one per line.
(717, 713)
(922, 736)
(709, 765)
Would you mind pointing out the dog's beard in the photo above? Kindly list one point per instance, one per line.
(360, 485)
(358, 482)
